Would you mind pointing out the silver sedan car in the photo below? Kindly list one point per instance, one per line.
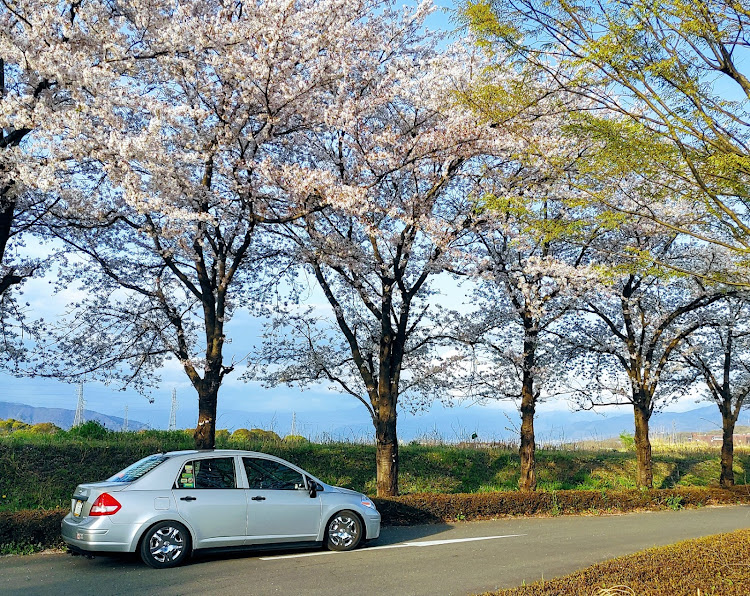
(168, 505)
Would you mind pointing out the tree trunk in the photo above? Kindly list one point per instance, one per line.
(527, 451)
(727, 450)
(386, 449)
(645, 477)
(205, 431)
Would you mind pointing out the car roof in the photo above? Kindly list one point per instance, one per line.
(217, 451)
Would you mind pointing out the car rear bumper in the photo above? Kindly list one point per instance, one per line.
(95, 534)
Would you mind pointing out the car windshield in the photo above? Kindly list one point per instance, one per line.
(138, 469)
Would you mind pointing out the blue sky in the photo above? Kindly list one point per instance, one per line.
(319, 412)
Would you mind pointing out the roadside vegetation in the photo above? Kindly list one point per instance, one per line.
(713, 565)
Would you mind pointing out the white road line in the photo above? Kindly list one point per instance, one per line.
(399, 545)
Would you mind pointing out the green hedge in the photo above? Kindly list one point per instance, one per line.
(24, 531)
(432, 508)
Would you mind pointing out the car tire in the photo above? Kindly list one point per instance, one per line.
(167, 544)
(344, 531)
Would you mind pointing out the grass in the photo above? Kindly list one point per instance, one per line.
(704, 566)
(14, 548)
(40, 471)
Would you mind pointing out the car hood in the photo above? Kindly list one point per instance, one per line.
(346, 491)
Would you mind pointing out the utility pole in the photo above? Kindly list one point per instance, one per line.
(293, 431)
(125, 421)
(78, 418)
(173, 412)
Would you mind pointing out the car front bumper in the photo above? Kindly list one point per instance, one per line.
(372, 524)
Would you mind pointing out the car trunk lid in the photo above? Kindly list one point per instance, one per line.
(85, 495)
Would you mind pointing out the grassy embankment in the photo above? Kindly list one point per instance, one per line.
(41, 471)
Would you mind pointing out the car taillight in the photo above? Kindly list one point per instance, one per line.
(106, 504)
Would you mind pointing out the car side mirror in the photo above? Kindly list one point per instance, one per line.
(312, 488)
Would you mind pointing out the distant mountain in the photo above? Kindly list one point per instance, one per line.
(702, 419)
(61, 417)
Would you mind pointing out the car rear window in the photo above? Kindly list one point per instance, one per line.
(215, 472)
(138, 469)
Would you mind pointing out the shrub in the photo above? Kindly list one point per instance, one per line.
(256, 434)
(12, 425)
(92, 429)
(628, 441)
(174, 439)
(45, 428)
(30, 530)
(433, 508)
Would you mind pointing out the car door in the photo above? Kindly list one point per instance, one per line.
(280, 508)
(208, 497)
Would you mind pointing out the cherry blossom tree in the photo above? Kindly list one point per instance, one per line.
(410, 154)
(531, 266)
(19, 219)
(628, 335)
(20, 209)
(529, 252)
(528, 284)
(179, 142)
(718, 352)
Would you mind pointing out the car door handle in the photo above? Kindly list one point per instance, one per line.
(188, 498)
(258, 499)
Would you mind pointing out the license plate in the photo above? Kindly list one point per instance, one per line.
(77, 508)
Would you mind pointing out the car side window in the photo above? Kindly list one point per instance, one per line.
(266, 474)
(217, 472)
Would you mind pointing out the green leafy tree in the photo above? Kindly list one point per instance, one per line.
(255, 435)
(91, 429)
(45, 428)
(11, 425)
(673, 92)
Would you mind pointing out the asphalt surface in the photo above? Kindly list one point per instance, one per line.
(459, 559)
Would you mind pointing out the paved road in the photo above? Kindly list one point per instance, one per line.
(465, 558)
